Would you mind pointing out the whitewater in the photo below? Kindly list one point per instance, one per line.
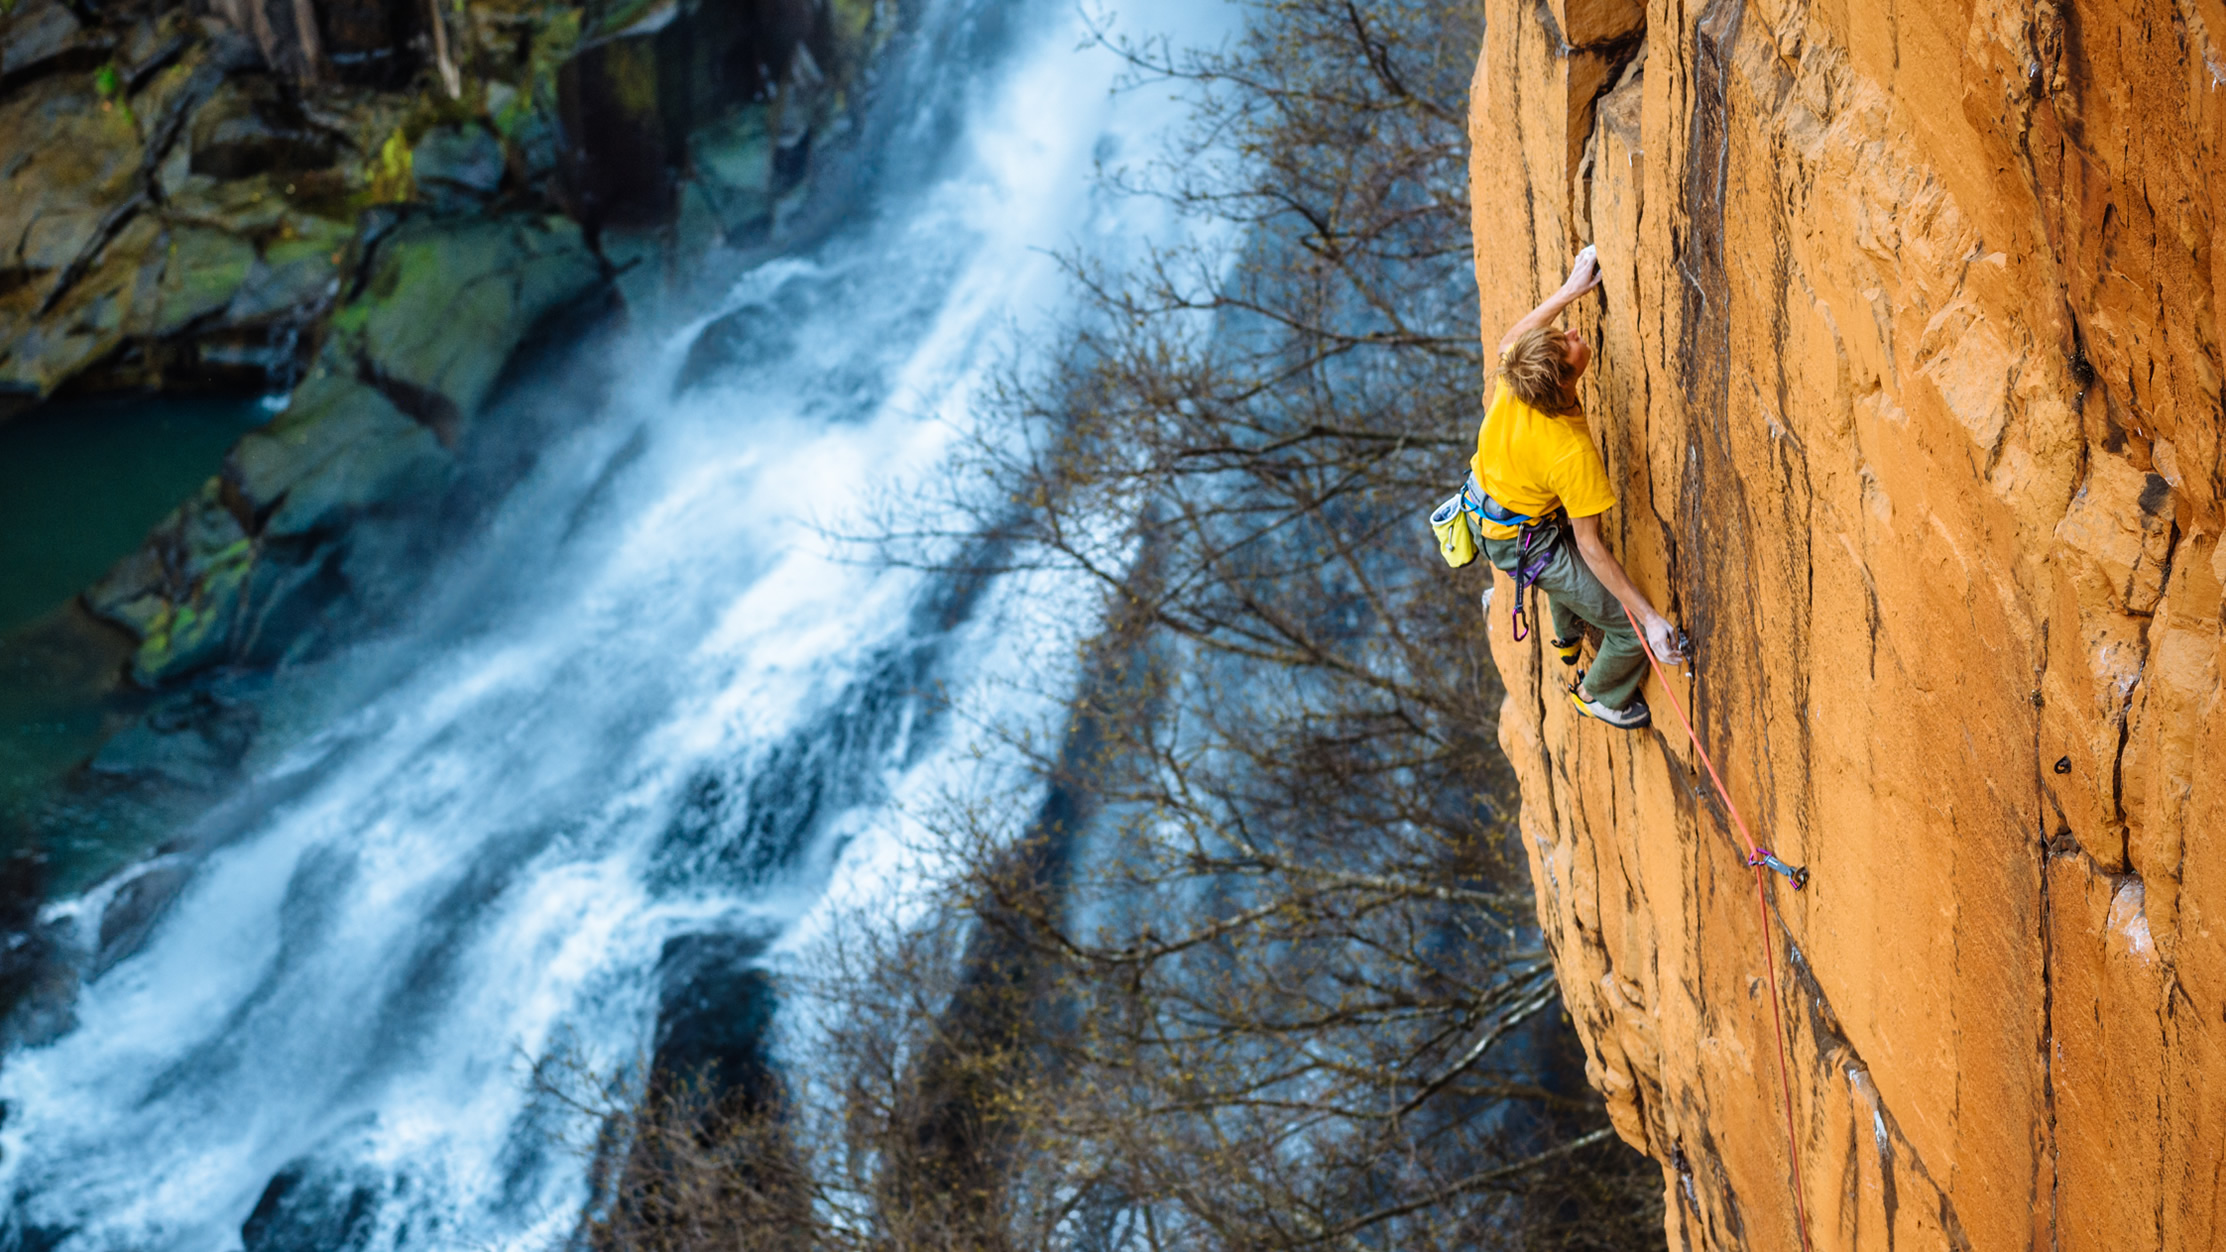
(649, 701)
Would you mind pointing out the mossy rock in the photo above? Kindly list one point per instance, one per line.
(197, 630)
(339, 448)
(247, 207)
(95, 315)
(448, 302)
(180, 592)
(202, 271)
(457, 167)
(733, 162)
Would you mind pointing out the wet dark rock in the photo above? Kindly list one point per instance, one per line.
(282, 45)
(150, 48)
(309, 1205)
(249, 128)
(633, 94)
(45, 37)
(750, 334)
(247, 208)
(206, 269)
(296, 274)
(134, 908)
(124, 259)
(193, 739)
(408, 363)
(131, 594)
(183, 215)
(714, 1010)
(78, 252)
(371, 43)
(22, 885)
(283, 614)
(340, 447)
(37, 991)
(458, 167)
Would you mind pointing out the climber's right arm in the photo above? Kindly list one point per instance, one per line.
(1661, 637)
(1583, 277)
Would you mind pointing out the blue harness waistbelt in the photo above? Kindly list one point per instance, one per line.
(1540, 536)
(1476, 500)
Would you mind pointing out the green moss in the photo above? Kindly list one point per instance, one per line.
(195, 632)
(202, 270)
(623, 14)
(553, 45)
(349, 319)
(391, 181)
(851, 20)
(309, 236)
(630, 66)
(110, 88)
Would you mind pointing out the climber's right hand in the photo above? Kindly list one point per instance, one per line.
(1661, 640)
(1584, 275)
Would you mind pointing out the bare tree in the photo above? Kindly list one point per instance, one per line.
(1257, 970)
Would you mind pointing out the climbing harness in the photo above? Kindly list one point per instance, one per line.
(1530, 564)
(1529, 567)
(1760, 859)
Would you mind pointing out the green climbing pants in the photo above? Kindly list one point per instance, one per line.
(1576, 595)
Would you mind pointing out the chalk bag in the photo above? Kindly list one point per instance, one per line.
(1455, 543)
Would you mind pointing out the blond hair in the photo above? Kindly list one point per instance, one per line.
(1538, 373)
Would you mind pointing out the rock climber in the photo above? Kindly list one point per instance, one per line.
(1534, 497)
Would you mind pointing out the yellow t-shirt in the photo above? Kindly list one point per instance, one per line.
(1532, 461)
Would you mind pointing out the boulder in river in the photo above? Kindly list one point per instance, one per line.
(447, 303)
(339, 448)
(457, 167)
(312, 1205)
(180, 592)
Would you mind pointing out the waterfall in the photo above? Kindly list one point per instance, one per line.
(647, 703)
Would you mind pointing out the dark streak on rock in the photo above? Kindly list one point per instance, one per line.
(1705, 508)
(2155, 493)
(424, 405)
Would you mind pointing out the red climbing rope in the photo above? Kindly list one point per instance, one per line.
(1755, 856)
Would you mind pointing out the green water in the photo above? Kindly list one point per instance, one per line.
(82, 481)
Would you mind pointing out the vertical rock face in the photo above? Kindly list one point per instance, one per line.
(1909, 379)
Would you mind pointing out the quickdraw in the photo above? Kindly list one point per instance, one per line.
(1764, 858)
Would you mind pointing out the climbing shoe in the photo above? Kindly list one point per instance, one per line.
(1632, 716)
(1568, 648)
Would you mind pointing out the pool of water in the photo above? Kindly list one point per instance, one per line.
(82, 481)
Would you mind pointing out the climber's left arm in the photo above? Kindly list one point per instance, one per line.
(1583, 277)
(1661, 637)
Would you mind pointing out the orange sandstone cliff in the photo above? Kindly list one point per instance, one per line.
(1909, 379)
